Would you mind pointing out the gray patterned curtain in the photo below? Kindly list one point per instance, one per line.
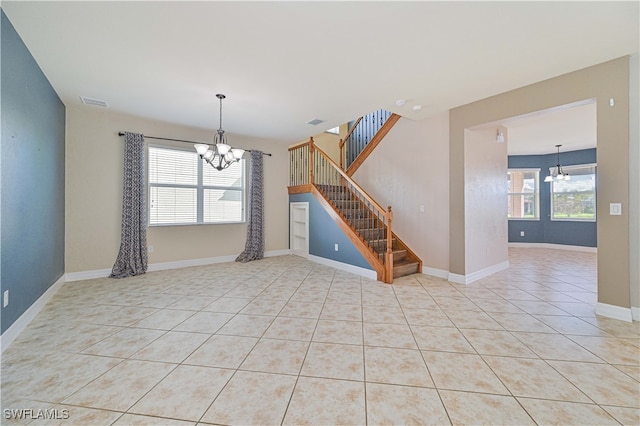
(132, 258)
(254, 247)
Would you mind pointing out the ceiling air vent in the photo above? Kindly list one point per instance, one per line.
(315, 121)
(94, 102)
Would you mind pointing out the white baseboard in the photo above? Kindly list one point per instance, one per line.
(363, 272)
(554, 247)
(434, 272)
(23, 321)
(615, 312)
(103, 273)
(475, 276)
(635, 314)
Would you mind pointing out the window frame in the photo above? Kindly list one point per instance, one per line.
(200, 189)
(536, 193)
(568, 169)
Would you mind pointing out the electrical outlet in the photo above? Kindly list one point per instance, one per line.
(335, 247)
(149, 249)
(5, 301)
(522, 233)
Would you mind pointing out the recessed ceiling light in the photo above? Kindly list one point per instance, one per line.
(94, 102)
(400, 102)
(417, 107)
(315, 121)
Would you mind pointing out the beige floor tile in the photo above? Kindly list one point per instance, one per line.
(193, 303)
(347, 332)
(603, 383)
(164, 319)
(137, 420)
(538, 307)
(389, 336)
(626, 416)
(571, 325)
(577, 308)
(124, 343)
(124, 316)
(172, 347)
(252, 399)
(546, 412)
(309, 296)
(444, 339)
(119, 388)
(612, 350)
(521, 322)
(556, 346)
(479, 320)
(259, 306)
(301, 310)
(534, 378)
(396, 366)
(494, 342)
(455, 304)
(66, 414)
(230, 305)
(276, 356)
(204, 322)
(390, 404)
(247, 325)
(497, 305)
(616, 328)
(463, 372)
(341, 312)
(222, 351)
(326, 402)
(334, 361)
(632, 371)
(430, 317)
(391, 314)
(466, 408)
(291, 329)
(184, 394)
(336, 296)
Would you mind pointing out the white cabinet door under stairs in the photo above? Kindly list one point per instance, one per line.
(299, 229)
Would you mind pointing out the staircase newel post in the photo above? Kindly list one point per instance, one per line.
(388, 264)
(311, 150)
(341, 154)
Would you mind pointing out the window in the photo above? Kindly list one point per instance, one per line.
(575, 199)
(523, 194)
(334, 130)
(185, 190)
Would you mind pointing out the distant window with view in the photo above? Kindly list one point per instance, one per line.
(523, 194)
(575, 199)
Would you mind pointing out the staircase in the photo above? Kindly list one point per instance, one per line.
(362, 219)
(370, 229)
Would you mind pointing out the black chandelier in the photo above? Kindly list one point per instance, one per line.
(557, 173)
(220, 155)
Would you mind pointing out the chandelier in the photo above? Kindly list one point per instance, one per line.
(557, 173)
(220, 155)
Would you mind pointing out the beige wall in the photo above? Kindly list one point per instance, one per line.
(485, 173)
(600, 82)
(330, 144)
(408, 169)
(94, 164)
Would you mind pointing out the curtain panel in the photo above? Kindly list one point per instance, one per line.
(254, 247)
(132, 257)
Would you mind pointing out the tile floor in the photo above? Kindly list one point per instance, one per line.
(287, 341)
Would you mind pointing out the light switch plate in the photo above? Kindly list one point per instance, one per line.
(615, 209)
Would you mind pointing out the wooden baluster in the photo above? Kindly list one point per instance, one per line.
(341, 154)
(389, 254)
(311, 151)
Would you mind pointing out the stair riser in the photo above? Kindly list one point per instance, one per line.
(404, 270)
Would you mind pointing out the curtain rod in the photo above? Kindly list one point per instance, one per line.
(181, 140)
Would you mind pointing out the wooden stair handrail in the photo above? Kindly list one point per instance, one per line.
(353, 183)
(373, 143)
(346, 138)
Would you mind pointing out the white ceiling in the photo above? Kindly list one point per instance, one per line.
(282, 64)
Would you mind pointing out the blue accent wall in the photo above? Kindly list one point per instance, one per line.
(32, 160)
(546, 230)
(324, 233)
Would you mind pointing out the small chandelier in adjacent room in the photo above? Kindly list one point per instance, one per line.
(220, 155)
(557, 173)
